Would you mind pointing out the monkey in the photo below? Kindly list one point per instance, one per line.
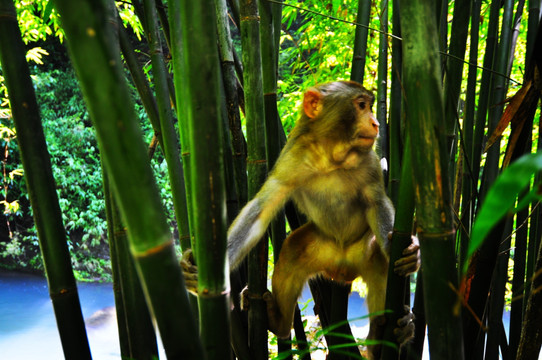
(329, 169)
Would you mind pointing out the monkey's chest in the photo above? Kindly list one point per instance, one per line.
(341, 215)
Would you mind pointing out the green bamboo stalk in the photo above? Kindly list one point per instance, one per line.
(484, 262)
(518, 282)
(396, 119)
(205, 125)
(442, 25)
(534, 19)
(41, 187)
(480, 281)
(94, 52)
(454, 70)
(496, 298)
(136, 330)
(424, 108)
(397, 289)
(535, 230)
(237, 196)
(140, 81)
(269, 55)
(498, 94)
(382, 86)
(169, 136)
(151, 108)
(360, 41)
(122, 326)
(415, 348)
(485, 85)
(531, 339)
(163, 16)
(469, 187)
(257, 168)
(226, 50)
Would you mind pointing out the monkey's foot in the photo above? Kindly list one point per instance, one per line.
(190, 271)
(275, 319)
(376, 331)
(410, 261)
(404, 332)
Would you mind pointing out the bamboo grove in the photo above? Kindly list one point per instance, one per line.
(461, 146)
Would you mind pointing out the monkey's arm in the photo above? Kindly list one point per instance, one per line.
(251, 223)
(380, 216)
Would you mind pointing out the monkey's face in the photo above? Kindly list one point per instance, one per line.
(365, 127)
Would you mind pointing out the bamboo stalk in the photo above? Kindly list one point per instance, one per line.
(238, 143)
(93, 51)
(273, 125)
(139, 329)
(397, 289)
(382, 82)
(41, 187)
(360, 41)
(170, 143)
(257, 168)
(483, 263)
(203, 115)
(469, 192)
(454, 71)
(396, 118)
(151, 109)
(424, 108)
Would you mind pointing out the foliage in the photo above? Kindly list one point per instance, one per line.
(308, 56)
(77, 171)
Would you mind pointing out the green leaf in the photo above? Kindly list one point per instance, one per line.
(336, 5)
(501, 197)
(47, 11)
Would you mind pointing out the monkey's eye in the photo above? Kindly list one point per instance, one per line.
(362, 105)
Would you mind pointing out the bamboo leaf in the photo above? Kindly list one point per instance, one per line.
(509, 114)
(501, 197)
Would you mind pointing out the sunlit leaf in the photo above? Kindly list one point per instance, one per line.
(501, 197)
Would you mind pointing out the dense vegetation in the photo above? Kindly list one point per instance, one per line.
(477, 216)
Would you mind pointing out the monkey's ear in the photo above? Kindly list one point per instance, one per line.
(312, 103)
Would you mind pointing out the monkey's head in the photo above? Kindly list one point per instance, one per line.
(341, 113)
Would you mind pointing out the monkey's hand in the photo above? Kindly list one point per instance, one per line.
(404, 331)
(410, 261)
(190, 271)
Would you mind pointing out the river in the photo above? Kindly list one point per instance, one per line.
(27, 322)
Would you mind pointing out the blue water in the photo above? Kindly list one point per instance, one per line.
(27, 323)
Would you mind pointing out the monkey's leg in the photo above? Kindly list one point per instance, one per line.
(303, 254)
(373, 268)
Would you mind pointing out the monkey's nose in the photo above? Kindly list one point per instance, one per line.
(375, 122)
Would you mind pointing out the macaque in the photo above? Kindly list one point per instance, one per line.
(329, 169)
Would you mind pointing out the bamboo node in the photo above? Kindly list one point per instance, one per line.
(154, 250)
(250, 18)
(437, 235)
(257, 161)
(68, 291)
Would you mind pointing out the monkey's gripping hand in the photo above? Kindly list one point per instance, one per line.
(190, 271)
(403, 332)
(410, 260)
